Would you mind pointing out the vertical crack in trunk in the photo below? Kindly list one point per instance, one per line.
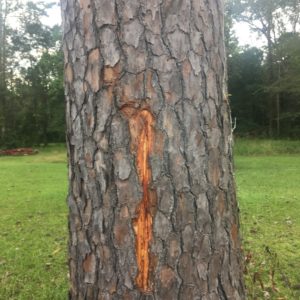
(143, 223)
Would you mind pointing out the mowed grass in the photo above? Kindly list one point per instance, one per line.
(33, 226)
(33, 221)
(269, 198)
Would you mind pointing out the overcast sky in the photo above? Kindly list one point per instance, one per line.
(54, 14)
(243, 32)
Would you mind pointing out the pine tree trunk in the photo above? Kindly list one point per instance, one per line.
(153, 212)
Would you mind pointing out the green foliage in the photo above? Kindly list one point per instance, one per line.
(31, 77)
(44, 120)
(245, 79)
(264, 83)
(288, 63)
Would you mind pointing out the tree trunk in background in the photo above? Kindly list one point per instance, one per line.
(270, 76)
(153, 212)
(2, 71)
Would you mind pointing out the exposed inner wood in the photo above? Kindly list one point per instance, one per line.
(143, 223)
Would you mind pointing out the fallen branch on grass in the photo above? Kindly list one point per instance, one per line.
(19, 152)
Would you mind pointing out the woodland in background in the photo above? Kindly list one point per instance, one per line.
(31, 76)
(264, 84)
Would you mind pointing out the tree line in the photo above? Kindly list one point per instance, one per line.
(31, 76)
(263, 83)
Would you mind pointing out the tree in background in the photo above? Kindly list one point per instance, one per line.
(271, 20)
(31, 73)
(246, 88)
(245, 81)
(31, 101)
(6, 10)
(42, 91)
(287, 85)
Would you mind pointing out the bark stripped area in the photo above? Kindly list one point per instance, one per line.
(141, 125)
(153, 212)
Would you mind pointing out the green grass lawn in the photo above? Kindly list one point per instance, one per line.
(33, 230)
(33, 226)
(269, 197)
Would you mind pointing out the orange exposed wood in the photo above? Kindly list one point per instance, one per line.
(143, 222)
(141, 124)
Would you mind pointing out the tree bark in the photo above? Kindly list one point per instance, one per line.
(153, 211)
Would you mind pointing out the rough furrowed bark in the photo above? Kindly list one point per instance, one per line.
(153, 212)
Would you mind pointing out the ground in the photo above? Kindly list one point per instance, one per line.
(33, 226)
